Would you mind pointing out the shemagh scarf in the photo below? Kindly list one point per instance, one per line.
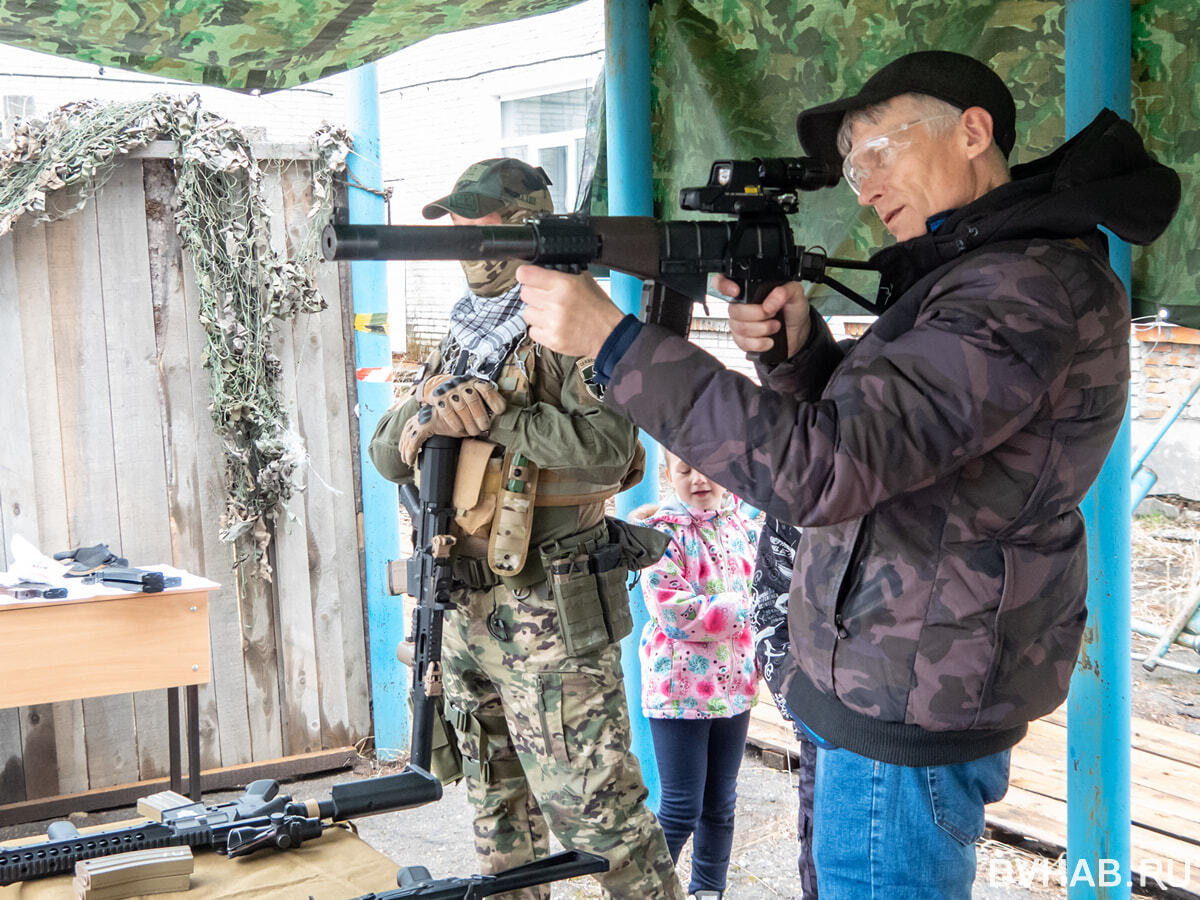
(483, 331)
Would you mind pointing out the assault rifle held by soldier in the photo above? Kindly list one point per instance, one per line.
(430, 580)
(757, 249)
(259, 819)
(415, 881)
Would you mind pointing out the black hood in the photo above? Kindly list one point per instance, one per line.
(1101, 176)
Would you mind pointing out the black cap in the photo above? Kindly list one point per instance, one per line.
(959, 80)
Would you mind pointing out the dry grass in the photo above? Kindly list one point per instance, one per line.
(1166, 566)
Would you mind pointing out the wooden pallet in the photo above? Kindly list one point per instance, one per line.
(1165, 784)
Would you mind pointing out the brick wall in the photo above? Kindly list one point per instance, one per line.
(1165, 364)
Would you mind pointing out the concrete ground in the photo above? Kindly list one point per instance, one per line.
(763, 864)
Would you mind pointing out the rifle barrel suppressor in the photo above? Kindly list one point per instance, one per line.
(673, 259)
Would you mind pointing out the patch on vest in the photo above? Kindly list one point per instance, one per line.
(586, 367)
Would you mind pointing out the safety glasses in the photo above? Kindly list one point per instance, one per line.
(881, 152)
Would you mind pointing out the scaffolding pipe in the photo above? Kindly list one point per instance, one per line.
(1146, 629)
(1143, 477)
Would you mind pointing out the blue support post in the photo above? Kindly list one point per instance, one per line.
(1098, 772)
(380, 510)
(630, 193)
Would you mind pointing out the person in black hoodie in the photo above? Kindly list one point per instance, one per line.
(936, 465)
(768, 616)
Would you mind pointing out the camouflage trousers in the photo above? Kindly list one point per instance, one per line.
(545, 743)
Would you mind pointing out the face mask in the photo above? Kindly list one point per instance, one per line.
(492, 277)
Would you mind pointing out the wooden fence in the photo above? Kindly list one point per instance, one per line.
(105, 436)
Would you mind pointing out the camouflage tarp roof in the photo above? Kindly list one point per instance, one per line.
(729, 78)
(244, 44)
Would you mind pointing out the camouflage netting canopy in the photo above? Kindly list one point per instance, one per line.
(244, 44)
(728, 80)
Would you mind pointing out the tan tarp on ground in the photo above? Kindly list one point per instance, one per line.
(335, 867)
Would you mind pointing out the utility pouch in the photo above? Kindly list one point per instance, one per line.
(445, 759)
(614, 595)
(581, 619)
(513, 524)
(476, 484)
(586, 576)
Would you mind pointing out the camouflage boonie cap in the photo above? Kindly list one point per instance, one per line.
(492, 185)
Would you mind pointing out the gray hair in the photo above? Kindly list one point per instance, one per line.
(927, 107)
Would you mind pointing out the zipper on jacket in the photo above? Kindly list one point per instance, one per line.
(854, 573)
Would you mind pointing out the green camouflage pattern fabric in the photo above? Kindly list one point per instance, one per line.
(1166, 70)
(568, 728)
(248, 45)
(495, 185)
(729, 78)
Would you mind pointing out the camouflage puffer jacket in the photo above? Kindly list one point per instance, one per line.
(937, 465)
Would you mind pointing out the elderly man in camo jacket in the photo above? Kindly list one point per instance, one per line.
(533, 683)
(937, 464)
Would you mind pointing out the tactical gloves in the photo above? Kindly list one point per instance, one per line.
(458, 406)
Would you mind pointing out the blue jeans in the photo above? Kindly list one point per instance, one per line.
(698, 762)
(885, 832)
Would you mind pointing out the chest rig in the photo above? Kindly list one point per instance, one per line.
(497, 489)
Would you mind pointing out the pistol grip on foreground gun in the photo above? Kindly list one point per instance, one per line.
(756, 292)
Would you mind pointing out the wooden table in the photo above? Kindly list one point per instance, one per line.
(112, 642)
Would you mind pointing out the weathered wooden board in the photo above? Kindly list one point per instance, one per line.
(108, 438)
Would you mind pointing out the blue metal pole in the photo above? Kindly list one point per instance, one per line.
(381, 528)
(630, 193)
(1098, 56)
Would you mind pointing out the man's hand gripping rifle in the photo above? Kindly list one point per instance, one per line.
(673, 259)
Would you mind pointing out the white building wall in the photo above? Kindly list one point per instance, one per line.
(282, 116)
(440, 112)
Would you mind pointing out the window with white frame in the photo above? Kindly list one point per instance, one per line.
(548, 130)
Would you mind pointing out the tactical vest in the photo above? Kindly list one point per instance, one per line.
(496, 490)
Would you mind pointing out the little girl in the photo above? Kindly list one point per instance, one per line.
(698, 674)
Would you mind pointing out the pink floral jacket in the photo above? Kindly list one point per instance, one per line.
(697, 650)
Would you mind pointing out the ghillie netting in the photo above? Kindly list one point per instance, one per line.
(245, 286)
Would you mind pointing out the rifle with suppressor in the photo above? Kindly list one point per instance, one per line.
(430, 580)
(673, 259)
(260, 818)
(415, 881)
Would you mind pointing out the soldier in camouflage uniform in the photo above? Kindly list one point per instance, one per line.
(936, 465)
(532, 672)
